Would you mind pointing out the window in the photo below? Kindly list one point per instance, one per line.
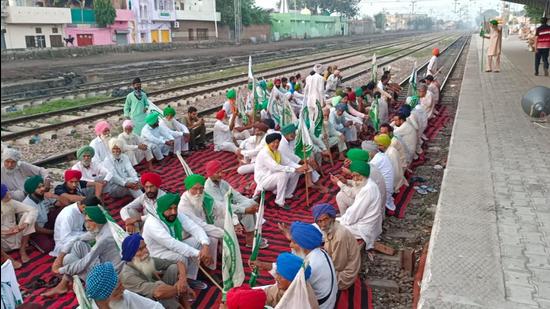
(202, 34)
(40, 41)
(29, 40)
(54, 30)
(38, 30)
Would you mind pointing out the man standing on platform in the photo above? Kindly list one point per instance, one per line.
(495, 47)
(542, 46)
(136, 105)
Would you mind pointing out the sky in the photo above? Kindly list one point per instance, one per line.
(443, 9)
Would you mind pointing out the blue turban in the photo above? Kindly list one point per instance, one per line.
(405, 110)
(321, 209)
(4, 190)
(306, 235)
(130, 246)
(101, 281)
(341, 107)
(288, 266)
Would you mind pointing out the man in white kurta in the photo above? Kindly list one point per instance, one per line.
(155, 135)
(343, 122)
(364, 218)
(433, 65)
(223, 139)
(407, 135)
(383, 164)
(135, 147)
(176, 237)
(135, 212)
(287, 148)
(124, 176)
(16, 171)
(314, 91)
(387, 145)
(250, 147)
(101, 141)
(426, 100)
(176, 128)
(275, 172)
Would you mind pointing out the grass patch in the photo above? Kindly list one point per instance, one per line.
(53, 106)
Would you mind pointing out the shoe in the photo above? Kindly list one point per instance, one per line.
(263, 244)
(197, 284)
(536, 73)
(545, 72)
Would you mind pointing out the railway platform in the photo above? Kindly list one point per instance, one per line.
(490, 243)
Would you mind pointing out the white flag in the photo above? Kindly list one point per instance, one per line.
(232, 263)
(296, 296)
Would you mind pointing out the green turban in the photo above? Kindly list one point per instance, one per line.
(360, 167)
(85, 150)
(494, 22)
(383, 140)
(163, 203)
(263, 84)
(359, 91)
(356, 154)
(297, 87)
(32, 183)
(340, 92)
(231, 94)
(96, 214)
(289, 128)
(192, 180)
(169, 111)
(269, 85)
(152, 118)
(335, 100)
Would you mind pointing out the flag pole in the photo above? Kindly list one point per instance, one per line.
(306, 174)
(325, 133)
(210, 277)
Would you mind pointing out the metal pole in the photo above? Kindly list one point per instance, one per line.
(215, 19)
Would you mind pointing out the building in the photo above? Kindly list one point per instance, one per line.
(395, 22)
(295, 25)
(153, 20)
(196, 20)
(30, 24)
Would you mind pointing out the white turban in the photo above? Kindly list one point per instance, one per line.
(318, 68)
(369, 146)
(116, 142)
(12, 154)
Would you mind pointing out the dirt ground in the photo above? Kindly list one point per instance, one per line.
(12, 70)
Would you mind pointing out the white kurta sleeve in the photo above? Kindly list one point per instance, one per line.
(136, 204)
(163, 238)
(194, 229)
(150, 137)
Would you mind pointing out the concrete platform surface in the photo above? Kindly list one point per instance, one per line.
(490, 243)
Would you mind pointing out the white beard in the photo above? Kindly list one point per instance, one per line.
(117, 304)
(10, 172)
(196, 200)
(358, 184)
(259, 139)
(300, 254)
(146, 267)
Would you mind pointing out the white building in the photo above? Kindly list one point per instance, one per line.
(196, 20)
(154, 20)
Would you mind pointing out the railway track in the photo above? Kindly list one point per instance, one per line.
(68, 155)
(19, 126)
(171, 71)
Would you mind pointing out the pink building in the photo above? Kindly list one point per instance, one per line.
(85, 31)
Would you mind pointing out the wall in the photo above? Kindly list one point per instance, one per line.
(260, 33)
(37, 15)
(182, 33)
(361, 27)
(290, 25)
(101, 36)
(15, 34)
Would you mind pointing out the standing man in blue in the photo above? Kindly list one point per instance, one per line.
(136, 105)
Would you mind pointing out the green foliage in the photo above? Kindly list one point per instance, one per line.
(347, 8)
(380, 20)
(533, 12)
(251, 14)
(105, 13)
(53, 106)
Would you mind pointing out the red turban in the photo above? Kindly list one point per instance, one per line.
(277, 81)
(153, 178)
(436, 51)
(220, 115)
(212, 167)
(72, 174)
(244, 297)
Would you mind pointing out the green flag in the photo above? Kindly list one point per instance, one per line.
(318, 129)
(116, 230)
(83, 301)
(232, 264)
(373, 114)
(304, 145)
(257, 241)
(413, 89)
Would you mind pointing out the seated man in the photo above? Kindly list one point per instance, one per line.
(135, 147)
(348, 187)
(340, 244)
(250, 148)
(332, 137)
(15, 171)
(177, 238)
(274, 172)
(77, 255)
(136, 211)
(342, 123)
(160, 137)
(48, 206)
(151, 277)
(364, 217)
(74, 189)
(223, 139)
(384, 165)
(333, 81)
(433, 87)
(69, 224)
(124, 180)
(243, 207)
(18, 221)
(406, 133)
(177, 129)
(286, 268)
(426, 100)
(231, 110)
(105, 289)
(196, 127)
(100, 143)
(387, 146)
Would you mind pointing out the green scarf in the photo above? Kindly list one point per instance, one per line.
(208, 207)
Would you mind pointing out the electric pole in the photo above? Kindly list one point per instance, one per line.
(238, 21)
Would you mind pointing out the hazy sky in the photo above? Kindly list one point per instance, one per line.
(437, 8)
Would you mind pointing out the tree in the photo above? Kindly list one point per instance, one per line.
(250, 13)
(533, 12)
(104, 13)
(421, 23)
(380, 20)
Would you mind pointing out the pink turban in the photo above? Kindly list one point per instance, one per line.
(212, 167)
(127, 123)
(101, 126)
